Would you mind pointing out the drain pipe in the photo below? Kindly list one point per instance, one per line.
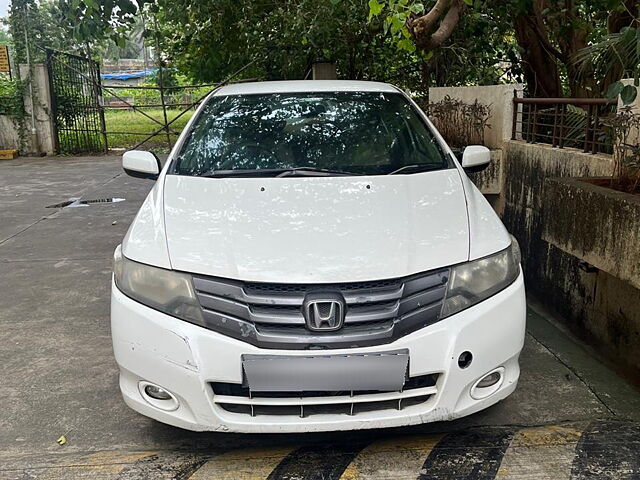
(34, 131)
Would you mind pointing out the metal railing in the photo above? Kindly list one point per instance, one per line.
(160, 111)
(565, 122)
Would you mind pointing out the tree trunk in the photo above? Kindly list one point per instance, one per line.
(538, 63)
(425, 77)
(581, 79)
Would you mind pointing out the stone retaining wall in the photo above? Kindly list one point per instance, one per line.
(598, 306)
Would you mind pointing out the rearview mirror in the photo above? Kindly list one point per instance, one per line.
(475, 158)
(141, 164)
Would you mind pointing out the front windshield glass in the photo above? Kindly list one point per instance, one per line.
(370, 133)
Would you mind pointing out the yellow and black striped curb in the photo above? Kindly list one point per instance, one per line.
(598, 450)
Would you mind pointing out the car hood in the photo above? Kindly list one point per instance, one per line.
(316, 229)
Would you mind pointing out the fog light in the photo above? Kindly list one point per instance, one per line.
(488, 385)
(489, 380)
(156, 392)
(157, 396)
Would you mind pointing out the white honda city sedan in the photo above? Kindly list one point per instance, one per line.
(313, 257)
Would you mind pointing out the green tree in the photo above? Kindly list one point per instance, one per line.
(70, 25)
(549, 35)
(210, 40)
(5, 39)
(552, 33)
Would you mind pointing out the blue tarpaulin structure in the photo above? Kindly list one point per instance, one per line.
(128, 75)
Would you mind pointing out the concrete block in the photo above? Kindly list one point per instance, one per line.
(597, 306)
(596, 224)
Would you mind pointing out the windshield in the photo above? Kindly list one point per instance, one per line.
(367, 133)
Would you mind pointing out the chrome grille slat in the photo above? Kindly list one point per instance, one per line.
(270, 315)
(287, 316)
(421, 300)
(296, 336)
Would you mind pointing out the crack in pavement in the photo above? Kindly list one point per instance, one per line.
(57, 210)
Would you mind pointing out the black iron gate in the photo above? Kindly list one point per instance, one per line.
(77, 112)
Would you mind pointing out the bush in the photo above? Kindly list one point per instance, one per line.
(461, 124)
(11, 102)
(625, 128)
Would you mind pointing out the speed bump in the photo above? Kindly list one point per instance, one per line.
(607, 450)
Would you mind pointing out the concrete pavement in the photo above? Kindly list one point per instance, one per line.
(571, 415)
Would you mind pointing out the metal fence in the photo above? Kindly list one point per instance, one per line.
(77, 114)
(79, 108)
(161, 112)
(565, 122)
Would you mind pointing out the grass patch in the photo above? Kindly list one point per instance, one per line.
(129, 122)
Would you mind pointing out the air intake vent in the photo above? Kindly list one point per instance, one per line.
(237, 399)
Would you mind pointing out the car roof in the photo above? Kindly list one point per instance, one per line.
(295, 86)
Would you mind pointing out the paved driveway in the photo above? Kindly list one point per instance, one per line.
(570, 416)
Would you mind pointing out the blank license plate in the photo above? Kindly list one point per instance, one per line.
(381, 371)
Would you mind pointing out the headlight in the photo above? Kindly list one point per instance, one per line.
(164, 290)
(475, 281)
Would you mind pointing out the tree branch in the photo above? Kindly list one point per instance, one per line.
(447, 25)
(422, 27)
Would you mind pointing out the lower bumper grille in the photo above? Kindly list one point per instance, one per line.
(237, 399)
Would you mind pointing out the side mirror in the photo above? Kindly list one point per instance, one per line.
(475, 158)
(141, 164)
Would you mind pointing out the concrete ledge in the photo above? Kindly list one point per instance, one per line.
(596, 224)
(600, 308)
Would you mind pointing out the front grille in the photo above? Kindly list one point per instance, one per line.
(238, 399)
(270, 315)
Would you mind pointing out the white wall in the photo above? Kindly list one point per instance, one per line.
(635, 108)
(44, 135)
(500, 99)
(9, 135)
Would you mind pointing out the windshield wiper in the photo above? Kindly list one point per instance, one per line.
(265, 172)
(415, 168)
(276, 172)
(312, 172)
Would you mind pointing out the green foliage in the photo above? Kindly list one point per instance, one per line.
(93, 20)
(138, 96)
(462, 60)
(210, 40)
(70, 106)
(394, 14)
(627, 93)
(625, 128)
(617, 51)
(76, 26)
(135, 123)
(5, 39)
(11, 94)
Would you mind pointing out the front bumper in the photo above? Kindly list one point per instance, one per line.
(185, 359)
